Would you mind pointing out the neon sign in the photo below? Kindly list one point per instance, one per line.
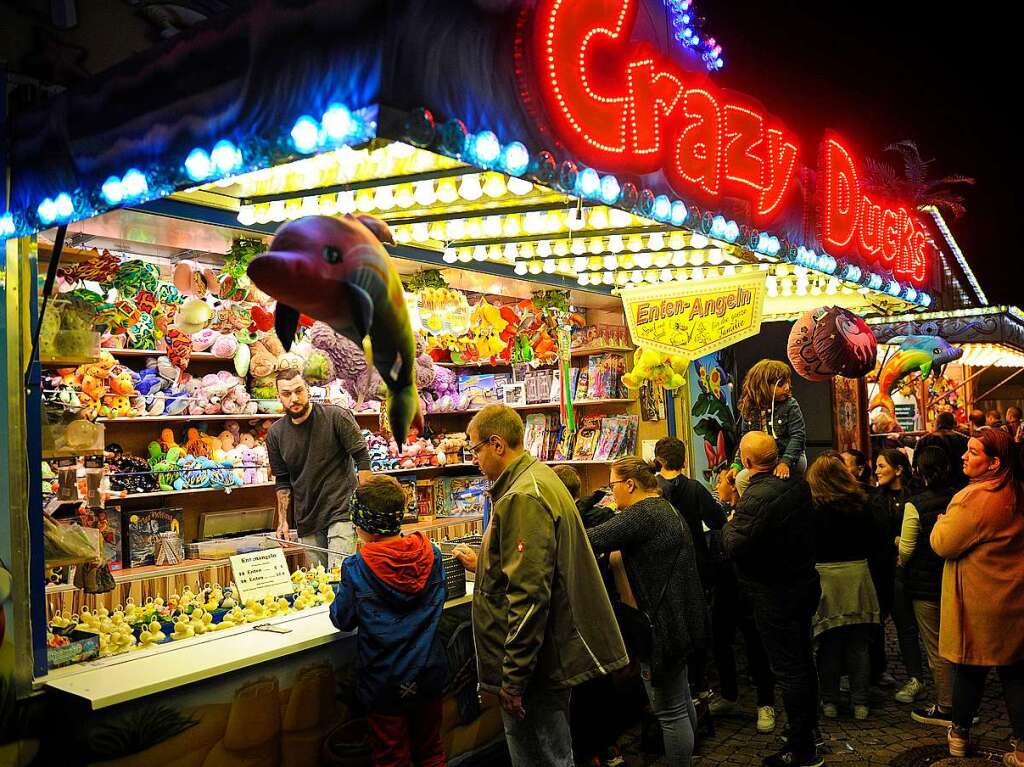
(851, 221)
(621, 106)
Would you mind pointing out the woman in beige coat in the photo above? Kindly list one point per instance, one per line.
(981, 537)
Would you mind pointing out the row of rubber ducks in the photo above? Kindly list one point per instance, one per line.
(192, 613)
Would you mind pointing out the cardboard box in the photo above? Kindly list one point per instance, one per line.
(408, 483)
(140, 529)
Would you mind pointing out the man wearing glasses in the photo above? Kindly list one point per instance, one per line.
(542, 621)
(314, 452)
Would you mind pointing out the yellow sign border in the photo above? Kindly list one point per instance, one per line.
(755, 283)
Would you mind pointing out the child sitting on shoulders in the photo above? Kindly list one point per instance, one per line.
(767, 404)
(393, 591)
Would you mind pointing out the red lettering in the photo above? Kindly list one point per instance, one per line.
(778, 172)
(743, 132)
(869, 238)
(839, 189)
(622, 107)
(698, 145)
(890, 236)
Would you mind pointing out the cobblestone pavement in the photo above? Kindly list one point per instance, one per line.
(888, 737)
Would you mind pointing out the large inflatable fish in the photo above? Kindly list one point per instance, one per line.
(336, 270)
(916, 353)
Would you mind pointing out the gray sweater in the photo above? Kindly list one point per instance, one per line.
(651, 534)
(317, 460)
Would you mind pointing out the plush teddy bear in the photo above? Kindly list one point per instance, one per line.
(250, 460)
(262, 462)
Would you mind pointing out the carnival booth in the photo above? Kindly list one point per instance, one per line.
(550, 210)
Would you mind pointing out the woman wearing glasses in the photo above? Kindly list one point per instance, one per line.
(662, 615)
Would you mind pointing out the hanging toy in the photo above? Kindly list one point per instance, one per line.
(660, 369)
(915, 353)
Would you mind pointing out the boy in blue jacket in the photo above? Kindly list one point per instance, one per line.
(393, 591)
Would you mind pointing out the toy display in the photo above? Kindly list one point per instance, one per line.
(831, 341)
(923, 354)
(296, 272)
(660, 369)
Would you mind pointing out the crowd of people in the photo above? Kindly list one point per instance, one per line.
(654, 574)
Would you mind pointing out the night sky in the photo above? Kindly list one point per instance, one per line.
(882, 72)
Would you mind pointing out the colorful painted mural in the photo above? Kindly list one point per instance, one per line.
(713, 429)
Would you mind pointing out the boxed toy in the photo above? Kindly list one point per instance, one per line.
(425, 499)
(408, 483)
(478, 389)
(109, 525)
(142, 531)
(466, 496)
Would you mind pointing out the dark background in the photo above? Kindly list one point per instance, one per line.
(944, 76)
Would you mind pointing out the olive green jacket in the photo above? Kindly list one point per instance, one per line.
(540, 609)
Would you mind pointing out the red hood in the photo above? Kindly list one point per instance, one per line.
(402, 563)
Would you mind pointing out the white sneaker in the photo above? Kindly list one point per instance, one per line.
(765, 719)
(911, 691)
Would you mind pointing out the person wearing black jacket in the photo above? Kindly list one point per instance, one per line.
(594, 725)
(951, 441)
(771, 540)
(896, 483)
(921, 573)
(701, 513)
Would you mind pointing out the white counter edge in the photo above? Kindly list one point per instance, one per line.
(120, 678)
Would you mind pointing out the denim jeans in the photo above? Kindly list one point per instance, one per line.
(906, 631)
(969, 685)
(340, 538)
(543, 738)
(673, 707)
(845, 647)
(784, 622)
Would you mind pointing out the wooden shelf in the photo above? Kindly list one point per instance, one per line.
(65, 561)
(601, 350)
(217, 417)
(422, 469)
(159, 493)
(441, 523)
(506, 365)
(523, 408)
(206, 356)
(67, 362)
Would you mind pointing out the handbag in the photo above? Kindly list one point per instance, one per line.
(636, 625)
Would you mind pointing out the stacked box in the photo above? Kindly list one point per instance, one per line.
(408, 483)
(108, 522)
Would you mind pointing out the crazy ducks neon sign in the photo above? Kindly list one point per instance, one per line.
(621, 106)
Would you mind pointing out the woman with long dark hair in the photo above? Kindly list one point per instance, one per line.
(981, 537)
(920, 572)
(663, 621)
(848, 607)
(896, 484)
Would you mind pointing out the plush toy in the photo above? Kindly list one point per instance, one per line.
(196, 445)
(225, 346)
(923, 354)
(250, 460)
(262, 362)
(262, 462)
(318, 368)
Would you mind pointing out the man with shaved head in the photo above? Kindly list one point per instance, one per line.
(771, 541)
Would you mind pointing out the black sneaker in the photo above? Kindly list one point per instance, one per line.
(787, 758)
(819, 737)
(932, 715)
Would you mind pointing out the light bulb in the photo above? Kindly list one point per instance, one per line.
(535, 267)
(261, 213)
(511, 226)
(697, 274)
(583, 279)
(494, 186)
(384, 199)
(666, 275)
(610, 262)
(608, 278)
(198, 165)
(112, 190)
(446, 191)
(455, 228)
(63, 206)
(466, 255)
(306, 134)
(469, 188)
(561, 248)
(615, 244)
(579, 264)
(679, 258)
(403, 198)
(576, 220)
(515, 159)
(420, 232)
(423, 194)
(511, 251)
(610, 190)
(346, 202)
(134, 183)
(246, 215)
(635, 244)
(548, 266)
(475, 229)
(619, 218)
(364, 201)
(225, 157)
(437, 231)
(656, 241)
(636, 276)
(698, 240)
(643, 260)
(493, 253)
(594, 263)
(277, 210)
(520, 268)
(338, 122)
(621, 278)
(526, 250)
(533, 222)
(544, 248)
(596, 245)
(449, 256)
(715, 256)
(578, 247)
(598, 219)
(492, 226)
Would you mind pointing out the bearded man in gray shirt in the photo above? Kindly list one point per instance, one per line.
(315, 451)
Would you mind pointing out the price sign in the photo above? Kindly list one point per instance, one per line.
(260, 574)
